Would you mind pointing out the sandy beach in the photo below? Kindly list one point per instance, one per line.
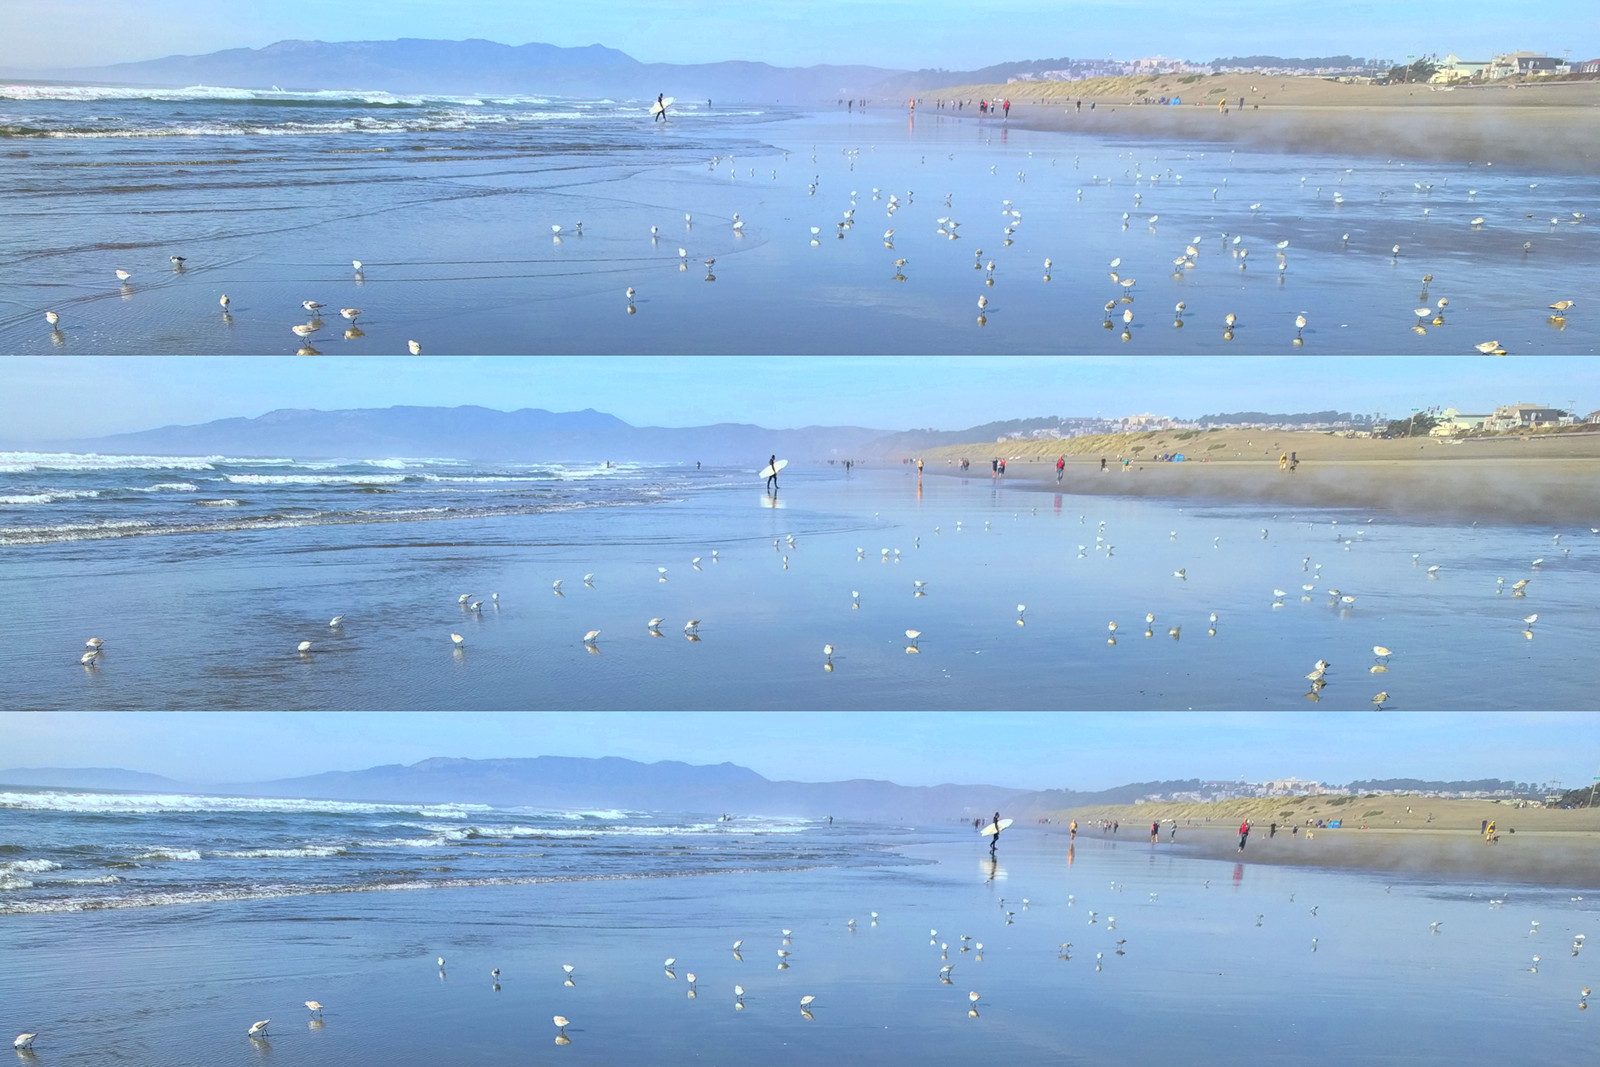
(1547, 124)
(1538, 479)
(1415, 835)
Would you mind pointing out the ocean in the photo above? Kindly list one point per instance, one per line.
(744, 229)
(689, 938)
(204, 606)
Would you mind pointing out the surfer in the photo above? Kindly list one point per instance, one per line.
(772, 479)
(661, 107)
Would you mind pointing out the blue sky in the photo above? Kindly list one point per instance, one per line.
(954, 34)
(1027, 750)
(54, 397)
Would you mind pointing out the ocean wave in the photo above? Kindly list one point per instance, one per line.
(104, 879)
(225, 502)
(218, 894)
(28, 867)
(165, 487)
(166, 803)
(315, 479)
(304, 852)
(8, 881)
(24, 462)
(49, 496)
(218, 94)
(176, 855)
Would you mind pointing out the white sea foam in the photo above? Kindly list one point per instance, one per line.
(225, 502)
(166, 487)
(22, 462)
(315, 479)
(176, 855)
(391, 464)
(105, 879)
(28, 867)
(8, 881)
(305, 852)
(49, 496)
(152, 803)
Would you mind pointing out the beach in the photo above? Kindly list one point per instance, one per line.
(1548, 124)
(490, 226)
(1239, 959)
(1531, 479)
(951, 592)
(1401, 835)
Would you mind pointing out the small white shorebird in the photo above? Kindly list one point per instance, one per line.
(315, 1006)
(414, 347)
(692, 626)
(123, 275)
(258, 1029)
(23, 1041)
(336, 620)
(52, 318)
(303, 646)
(459, 641)
(561, 1022)
(589, 637)
(350, 313)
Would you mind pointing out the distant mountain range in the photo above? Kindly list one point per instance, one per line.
(413, 65)
(561, 781)
(527, 434)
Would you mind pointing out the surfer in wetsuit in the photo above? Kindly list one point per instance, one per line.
(661, 105)
(994, 842)
(772, 479)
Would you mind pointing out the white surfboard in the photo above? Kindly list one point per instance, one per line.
(769, 471)
(661, 105)
(992, 829)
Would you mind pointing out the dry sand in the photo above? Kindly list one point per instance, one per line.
(1539, 125)
(1544, 478)
(1390, 833)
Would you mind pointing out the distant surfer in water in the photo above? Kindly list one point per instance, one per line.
(661, 107)
(772, 479)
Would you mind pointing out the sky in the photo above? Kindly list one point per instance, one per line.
(47, 398)
(1034, 750)
(907, 34)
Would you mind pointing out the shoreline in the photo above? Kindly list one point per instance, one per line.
(1535, 127)
(1400, 834)
(1544, 480)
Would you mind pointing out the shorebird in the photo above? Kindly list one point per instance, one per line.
(312, 306)
(123, 275)
(223, 300)
(336, 620)
(351, 313)
(258, 1029)
(303, 646)
(692, 626)
(52, 318)
(315, 1006)
(25, 1041)
(88, 658)
(561, 1022)
(589, 637)
(414, 347)
(1561, 306)
(458, 641)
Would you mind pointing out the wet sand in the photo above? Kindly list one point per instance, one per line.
(1546, 125)
(1541, 479)
(1391, 833)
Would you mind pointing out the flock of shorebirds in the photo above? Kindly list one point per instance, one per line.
(258, 1031)
(1428, 313)
(470, 605)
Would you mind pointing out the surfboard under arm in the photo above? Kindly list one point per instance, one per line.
(992, 829)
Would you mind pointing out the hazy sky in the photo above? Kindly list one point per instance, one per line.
(955, 34)
(1026, 750)
(58, 397)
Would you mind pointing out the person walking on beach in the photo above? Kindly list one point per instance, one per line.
(1155, 831)
(1272, 831)
(994, 467)
(772, 479)
(661, 107)
(1244, 833)
(1006, 107)
(1072, 830)
(1002, 468)
(1061, 467)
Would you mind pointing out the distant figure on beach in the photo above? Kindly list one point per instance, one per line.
(1244, 833)
(1114, 826)
(1061, 467)
(919, 466)
(1080, 103)
(1294, 460)
(1072, 830)
(1102, 464)
(830, 820)
(994, 467)
(1006, 107)
(772, 479)
(1272, 831)
(661, 104)
(1155, 831)
(1002, 468)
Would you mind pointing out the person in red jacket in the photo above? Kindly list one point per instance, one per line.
(1244, 833)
